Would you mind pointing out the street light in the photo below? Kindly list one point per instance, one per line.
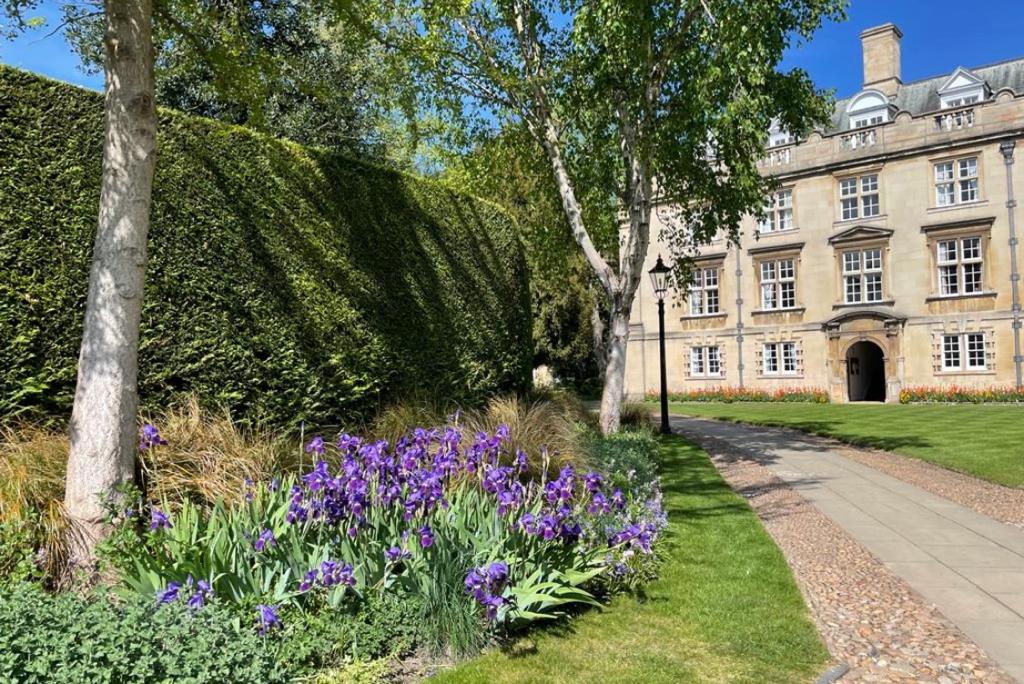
(659, 279)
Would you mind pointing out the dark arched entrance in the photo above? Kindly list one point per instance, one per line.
(865, 372)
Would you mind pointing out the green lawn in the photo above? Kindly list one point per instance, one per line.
(724, 610)
(986, 441)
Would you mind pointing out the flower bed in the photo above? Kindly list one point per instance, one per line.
(954, 394)
(807, 395)
(454, 524)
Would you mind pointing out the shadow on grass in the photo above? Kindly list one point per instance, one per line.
(821, 428)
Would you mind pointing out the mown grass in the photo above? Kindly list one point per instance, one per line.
(986, 441)
(725, 609)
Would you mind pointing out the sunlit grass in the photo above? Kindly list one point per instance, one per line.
(724, 610)
(986, 441)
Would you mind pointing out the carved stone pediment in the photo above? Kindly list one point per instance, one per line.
(860, 234)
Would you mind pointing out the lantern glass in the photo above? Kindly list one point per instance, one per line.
(659, 278)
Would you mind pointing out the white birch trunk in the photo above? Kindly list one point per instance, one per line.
(103, 421)
(615, 371)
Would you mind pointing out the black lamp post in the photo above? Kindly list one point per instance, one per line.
(659, 279)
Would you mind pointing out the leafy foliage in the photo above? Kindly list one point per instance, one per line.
(65, 638)
(286, 283)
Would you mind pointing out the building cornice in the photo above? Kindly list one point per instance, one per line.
(768, 249)
(983, 221)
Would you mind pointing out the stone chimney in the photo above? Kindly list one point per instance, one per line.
(881, 46)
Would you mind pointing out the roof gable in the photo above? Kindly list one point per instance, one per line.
(960, 79)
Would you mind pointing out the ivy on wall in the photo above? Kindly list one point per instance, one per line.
(285, 282)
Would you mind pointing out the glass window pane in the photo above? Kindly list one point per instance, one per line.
(969, 190)
(849, 209)
(944, 171)
(869, 183)
(767, 271)
(696, 361)
(789, 357)
(976, 350)
(944, 194)
(786, 269)
(771, 360)
(711, 277)
(788, 292)
(712, 301)
(971, 248)
(947, 251)
(972, 277)
(852, 289)
(870, 205)
(873, 287)
(851, 262)
(848, 187)
(714, 362)
(951, 352)
(873, 260)
(969, 167)
(948, 284)
(768, 296)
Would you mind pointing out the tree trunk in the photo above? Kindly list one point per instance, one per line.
(103, 420)
(600, 339)
(615, 370)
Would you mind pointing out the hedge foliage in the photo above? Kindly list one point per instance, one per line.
(288, 283)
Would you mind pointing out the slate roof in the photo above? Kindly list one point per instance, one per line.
(918, 97)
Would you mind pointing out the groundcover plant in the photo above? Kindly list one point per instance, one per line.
(456, 523)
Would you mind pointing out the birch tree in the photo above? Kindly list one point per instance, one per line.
(647, 101)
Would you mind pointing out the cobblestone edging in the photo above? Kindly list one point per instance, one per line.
(869, 618)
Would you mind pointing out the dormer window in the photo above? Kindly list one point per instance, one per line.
(869, 108)
(778, 136)
(962, 88)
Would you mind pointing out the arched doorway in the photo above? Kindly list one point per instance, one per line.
(865, 372)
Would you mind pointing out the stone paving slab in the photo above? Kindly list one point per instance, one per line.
(968, 565)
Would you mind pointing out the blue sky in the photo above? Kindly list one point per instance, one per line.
(938, 36)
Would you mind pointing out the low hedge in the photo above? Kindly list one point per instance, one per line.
(285, 282)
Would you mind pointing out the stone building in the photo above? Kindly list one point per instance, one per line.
(888, 258)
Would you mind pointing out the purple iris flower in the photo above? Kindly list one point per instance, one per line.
(426, 537)
(618, 499)
(593, 481)
(521, 462)
(497, 574)
(308, 580)
(266, 537)
(528, 522)
(158, 520)
(202, 593)
(315, 446)
(150, 437)
(395, 554)
(169, 594)
(267, 618)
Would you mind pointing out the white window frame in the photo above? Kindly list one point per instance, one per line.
(956, 258)
(703, 359)
(779, 358)
(703, 294)
(957, 181)
(964, 352)
(778, 212)
(872, 119)
(860, 197)
(778, 284)
(858, 273)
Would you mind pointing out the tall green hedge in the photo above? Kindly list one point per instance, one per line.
(288, 283)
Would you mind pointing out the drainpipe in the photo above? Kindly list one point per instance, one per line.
(739, 314)
(1007, 149)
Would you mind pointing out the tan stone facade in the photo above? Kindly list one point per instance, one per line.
(887, 259)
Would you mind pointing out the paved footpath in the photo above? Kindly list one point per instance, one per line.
(970, 566)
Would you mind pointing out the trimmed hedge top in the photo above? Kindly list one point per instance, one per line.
(287, 283)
